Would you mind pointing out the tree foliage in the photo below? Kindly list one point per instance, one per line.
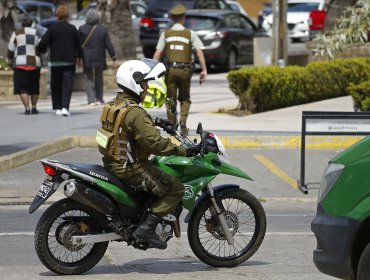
(353, 27)
(116, 16)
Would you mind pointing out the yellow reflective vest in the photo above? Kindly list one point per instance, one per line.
(157, 93)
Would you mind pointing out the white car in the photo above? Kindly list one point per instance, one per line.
(297, 18)
(236, 7)
(138, 9)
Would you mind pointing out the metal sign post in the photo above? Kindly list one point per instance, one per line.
(330, 123)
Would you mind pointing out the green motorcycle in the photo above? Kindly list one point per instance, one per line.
(226, 224)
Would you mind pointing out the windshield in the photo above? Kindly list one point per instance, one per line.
(302, 7)
(200, 23)
(166, 5)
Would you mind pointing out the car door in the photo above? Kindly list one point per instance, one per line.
(247, 31)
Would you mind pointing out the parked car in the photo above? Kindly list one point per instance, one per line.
(342, 221)
(235, 6)
(138, 9)
(40, 30)
(227, 36)
(297, 18)
(156, 19)
(42, 12)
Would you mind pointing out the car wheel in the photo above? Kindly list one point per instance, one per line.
(231, 60)
(363, 269)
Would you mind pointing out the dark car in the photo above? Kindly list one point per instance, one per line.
(156, 19)
(227, 36)
(43, 12)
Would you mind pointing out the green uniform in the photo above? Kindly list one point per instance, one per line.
(138, 129)
(177, 44)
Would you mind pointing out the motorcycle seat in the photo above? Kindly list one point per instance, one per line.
(98, 171)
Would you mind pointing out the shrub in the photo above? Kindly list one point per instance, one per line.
(361, 95)
(266, 88)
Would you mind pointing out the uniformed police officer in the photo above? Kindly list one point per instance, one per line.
(132, 137)
(177, 44)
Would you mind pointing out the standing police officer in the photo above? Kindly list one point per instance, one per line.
(177, 44)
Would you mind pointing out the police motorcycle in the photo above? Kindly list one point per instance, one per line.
(226, 224)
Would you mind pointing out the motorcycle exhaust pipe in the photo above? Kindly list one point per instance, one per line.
(89, 197)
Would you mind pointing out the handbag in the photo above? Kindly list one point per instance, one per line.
(88, 36)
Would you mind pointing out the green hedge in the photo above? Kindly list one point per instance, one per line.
(266, 88)
(361, 95)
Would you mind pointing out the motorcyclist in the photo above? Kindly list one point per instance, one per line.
(133, 137)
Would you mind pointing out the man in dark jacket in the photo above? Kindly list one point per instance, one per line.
(94, 41)
(64, 44)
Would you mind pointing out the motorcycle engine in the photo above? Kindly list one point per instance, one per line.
(165, 231)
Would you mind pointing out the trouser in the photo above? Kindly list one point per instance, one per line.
(168, 189)
(61, 83)
(93, 84)
(178, 87)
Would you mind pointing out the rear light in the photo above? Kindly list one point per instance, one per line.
(317, 20)
(50, 170)
(147, 22)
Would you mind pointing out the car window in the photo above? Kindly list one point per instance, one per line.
(207, 4)
(302, 7)
(232, 21)
(166, 5)
(234, 7)
(246, 25)
(82, 14)
(200, 23)
(31, 10)
(46, 12)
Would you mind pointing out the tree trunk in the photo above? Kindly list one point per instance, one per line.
(335, 11)
(116, 15)
(7, 18)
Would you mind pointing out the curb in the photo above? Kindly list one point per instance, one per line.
(272, 142)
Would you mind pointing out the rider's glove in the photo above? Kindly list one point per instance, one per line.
(192, 151)
(165, 124)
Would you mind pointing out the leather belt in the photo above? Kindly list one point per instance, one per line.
(180, 65)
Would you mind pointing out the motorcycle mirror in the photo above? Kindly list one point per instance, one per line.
(170, 105)
(199, 128)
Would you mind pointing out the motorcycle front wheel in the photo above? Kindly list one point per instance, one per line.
(246, 220)
(53, 233)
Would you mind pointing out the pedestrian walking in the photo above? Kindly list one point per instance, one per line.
(63, 41)
(95, 40)
(176, 44)
(26, 64)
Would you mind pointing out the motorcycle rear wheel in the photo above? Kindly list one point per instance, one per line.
(246, 219)
(59, 222)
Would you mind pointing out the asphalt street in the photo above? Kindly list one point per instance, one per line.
(286, 251)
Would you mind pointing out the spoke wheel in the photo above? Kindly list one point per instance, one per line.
(53, 237)
(246, 220)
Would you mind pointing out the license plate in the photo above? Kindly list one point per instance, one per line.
(45, 189)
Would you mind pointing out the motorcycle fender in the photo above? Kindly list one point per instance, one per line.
(206, 195)
(43, 195)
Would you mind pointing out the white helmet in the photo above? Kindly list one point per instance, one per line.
(131, 73)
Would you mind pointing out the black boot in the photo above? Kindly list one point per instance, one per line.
(184, 129)
(146, 232)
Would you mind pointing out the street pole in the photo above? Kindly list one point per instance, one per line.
(279, 32)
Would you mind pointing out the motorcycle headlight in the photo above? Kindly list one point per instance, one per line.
(329, 178)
